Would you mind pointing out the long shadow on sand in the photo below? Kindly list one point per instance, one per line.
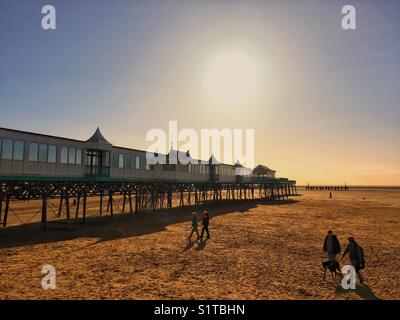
(362, 290)
(120, 226)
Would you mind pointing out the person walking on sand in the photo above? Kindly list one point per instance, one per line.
(205, 223)
(331, 245)
(330, 195)
(356, 256)
(194, 226)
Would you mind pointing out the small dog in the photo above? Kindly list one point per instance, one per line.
(332, 265)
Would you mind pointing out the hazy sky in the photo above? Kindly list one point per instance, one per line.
(324, 102)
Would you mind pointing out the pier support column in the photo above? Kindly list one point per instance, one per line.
(130, 202)
(101, 203)
(154, 197)
(123, 202)
(84, 207)
(136, 201)
(78, 200)
(67, 210)
(44, 211)
(110, 204)
(7, 206)
(169, 196)
(60, 206)
(181, 201)
(1, 205)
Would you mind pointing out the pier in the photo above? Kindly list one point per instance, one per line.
(328, 188)
(130, 196)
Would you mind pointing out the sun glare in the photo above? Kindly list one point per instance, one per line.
(232, 77)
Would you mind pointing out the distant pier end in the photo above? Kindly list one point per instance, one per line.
(328, 188)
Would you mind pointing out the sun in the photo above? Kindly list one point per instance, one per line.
(232, 77)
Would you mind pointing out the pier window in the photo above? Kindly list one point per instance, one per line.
(78, 156)
(128, 162)
(7, 149)
(132, 162)
(18, 153)
(43, 152)
(52, 154)
(137, 163)
(64, 155)
(121, 161)
(71, 155)
(106, 158)
(114, 160)
(33, 152)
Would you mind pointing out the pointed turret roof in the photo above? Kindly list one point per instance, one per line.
(97, 137)
(213, 160)
(238, 165)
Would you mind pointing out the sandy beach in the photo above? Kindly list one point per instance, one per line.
(257, 250)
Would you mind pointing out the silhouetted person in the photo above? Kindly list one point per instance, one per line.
(194, 226)
(356, 256)
(331, 245)
(330, 195)
(205, 223)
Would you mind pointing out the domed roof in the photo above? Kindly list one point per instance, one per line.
(262, 170)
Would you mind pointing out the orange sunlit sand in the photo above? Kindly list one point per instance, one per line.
(257, 250)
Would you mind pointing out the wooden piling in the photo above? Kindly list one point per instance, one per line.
(78, 200)
(7, 206)
(101, 203)
(84, 207)
(44, 210)
(110, 204)
(67, 210)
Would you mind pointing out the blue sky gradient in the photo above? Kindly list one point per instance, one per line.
(130, 66)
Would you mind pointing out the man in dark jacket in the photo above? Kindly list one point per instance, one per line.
(331, 245)
(356, 256)
(205, 222)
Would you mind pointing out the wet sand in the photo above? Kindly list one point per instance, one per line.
(257, 250)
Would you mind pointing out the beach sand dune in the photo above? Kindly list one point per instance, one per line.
(257, 250)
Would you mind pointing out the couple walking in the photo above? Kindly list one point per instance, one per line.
(205, 223)
(354, 250)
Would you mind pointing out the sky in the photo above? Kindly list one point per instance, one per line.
(323, 101)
